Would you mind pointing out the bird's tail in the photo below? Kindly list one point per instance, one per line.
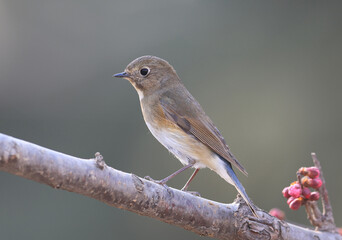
(230, 176)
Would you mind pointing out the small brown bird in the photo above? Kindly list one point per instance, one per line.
(178, 122)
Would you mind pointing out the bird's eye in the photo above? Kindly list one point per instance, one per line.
(144, 71)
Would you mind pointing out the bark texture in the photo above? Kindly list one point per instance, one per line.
(93, 178)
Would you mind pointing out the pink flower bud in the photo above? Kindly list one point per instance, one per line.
(306, 193)
(296, 203)
(313, 172)
(303, 171)
(295, 190)
(286, 192)
(276, 212)
(290, 200)
(314, 196)
(315, 183)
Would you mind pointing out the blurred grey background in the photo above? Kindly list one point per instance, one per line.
(268, 73)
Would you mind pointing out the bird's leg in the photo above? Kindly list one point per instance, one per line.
(185, 188)
(165, 180)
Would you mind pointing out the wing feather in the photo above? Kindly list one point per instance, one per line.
(203, 129)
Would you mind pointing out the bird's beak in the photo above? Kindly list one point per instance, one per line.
(121, 75)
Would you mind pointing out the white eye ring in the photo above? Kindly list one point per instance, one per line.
(144, 71)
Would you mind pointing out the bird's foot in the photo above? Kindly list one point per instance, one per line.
(149, 178)
(160, 182)
(185, 189)
(197, 194)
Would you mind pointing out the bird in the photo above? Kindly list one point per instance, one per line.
(179, 123)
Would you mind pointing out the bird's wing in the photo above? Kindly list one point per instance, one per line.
(203, 129)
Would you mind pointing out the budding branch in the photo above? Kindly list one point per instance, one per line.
(93, 178)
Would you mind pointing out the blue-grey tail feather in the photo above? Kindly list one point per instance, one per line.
(238, 186)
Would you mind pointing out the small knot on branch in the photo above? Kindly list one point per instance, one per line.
(100, 163)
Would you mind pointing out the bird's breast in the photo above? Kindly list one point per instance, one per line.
(184, 146)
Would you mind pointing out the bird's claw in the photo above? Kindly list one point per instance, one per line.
(160, 182)
(149, 178)
(197, 194)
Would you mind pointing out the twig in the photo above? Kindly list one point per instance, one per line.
(323, 221)
(94, 179)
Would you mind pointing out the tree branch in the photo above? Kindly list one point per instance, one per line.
(93, 178)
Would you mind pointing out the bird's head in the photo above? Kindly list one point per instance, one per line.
(149, 74)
